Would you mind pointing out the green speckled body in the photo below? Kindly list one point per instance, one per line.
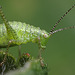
(21, 33)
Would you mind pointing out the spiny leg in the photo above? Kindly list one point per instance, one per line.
(10, 31)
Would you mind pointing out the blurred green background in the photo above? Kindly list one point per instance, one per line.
(60, 51)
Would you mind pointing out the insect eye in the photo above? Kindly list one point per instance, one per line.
(45, 35)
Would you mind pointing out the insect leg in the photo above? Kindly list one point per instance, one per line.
(40, 50)
(10, 31)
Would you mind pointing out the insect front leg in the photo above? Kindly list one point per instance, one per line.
(40, 50)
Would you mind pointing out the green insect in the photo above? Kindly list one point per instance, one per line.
(17, 33)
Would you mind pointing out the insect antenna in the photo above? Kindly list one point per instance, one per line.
(62, 29)
(61, 18)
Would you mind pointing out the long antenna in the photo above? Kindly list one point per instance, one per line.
(62, 29)
(61, 18)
